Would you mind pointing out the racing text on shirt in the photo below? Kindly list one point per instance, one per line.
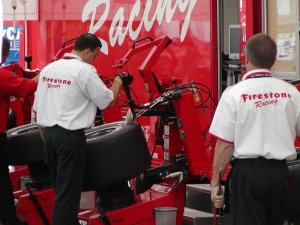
(55, 83)
(263, 99)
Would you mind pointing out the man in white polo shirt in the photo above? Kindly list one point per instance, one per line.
(255, 124)
(66, 101)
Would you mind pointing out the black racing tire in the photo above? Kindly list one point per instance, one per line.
(293, 195)
(25, 145)
(116, 153)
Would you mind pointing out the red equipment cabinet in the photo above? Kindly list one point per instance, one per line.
(26, 209)
(142, 211)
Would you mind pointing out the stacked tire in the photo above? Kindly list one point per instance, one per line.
(115, 152)
(25, 145)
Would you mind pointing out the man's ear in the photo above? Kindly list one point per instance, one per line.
(246, 59)
(86, 51)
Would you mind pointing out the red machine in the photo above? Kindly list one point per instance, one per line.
(178, 155)
(179, 139)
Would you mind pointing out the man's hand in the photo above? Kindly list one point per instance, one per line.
(121, 79)
(36, 78)
(126, 78)
(30, 74)
(223, 155)
(217, 199)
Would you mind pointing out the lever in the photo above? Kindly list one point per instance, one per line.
(28, 59)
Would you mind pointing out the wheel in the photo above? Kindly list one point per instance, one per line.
(115, 153)
(25, 145)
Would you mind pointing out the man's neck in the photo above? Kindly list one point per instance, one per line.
(251, 67)
(76, 53)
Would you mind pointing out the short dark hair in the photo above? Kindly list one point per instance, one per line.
(5, 45)
(87, 41)
(261, 51)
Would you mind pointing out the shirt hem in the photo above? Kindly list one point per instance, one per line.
(221, 139)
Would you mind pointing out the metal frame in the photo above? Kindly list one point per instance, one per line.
(286, 75)
(230, 33)
(219, 43)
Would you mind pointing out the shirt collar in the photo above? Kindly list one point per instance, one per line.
(71, 56)
(257, 71)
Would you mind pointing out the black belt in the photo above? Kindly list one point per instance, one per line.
(57, 127)
(259, 160)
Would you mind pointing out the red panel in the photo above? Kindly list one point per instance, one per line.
(189, 56)
(191, 135)
(257, 16)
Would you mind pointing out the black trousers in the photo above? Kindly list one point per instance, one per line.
(66, 154)
(258, 189)
(7, 206)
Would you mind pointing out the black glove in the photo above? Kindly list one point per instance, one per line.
(126, 78)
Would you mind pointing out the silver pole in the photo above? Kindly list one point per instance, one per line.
(219, 44)
(14, 6)
(25, 27)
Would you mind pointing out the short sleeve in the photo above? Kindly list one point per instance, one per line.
(298, 117)
(95, 89)
(223, 124)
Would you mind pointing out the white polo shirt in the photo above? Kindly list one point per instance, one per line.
(260, 115)
(68, 94)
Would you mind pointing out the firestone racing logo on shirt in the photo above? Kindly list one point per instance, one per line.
(55, 83)
(264, 99)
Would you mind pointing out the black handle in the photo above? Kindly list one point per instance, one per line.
(220, 192)
(28, 60)
(130, 100)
